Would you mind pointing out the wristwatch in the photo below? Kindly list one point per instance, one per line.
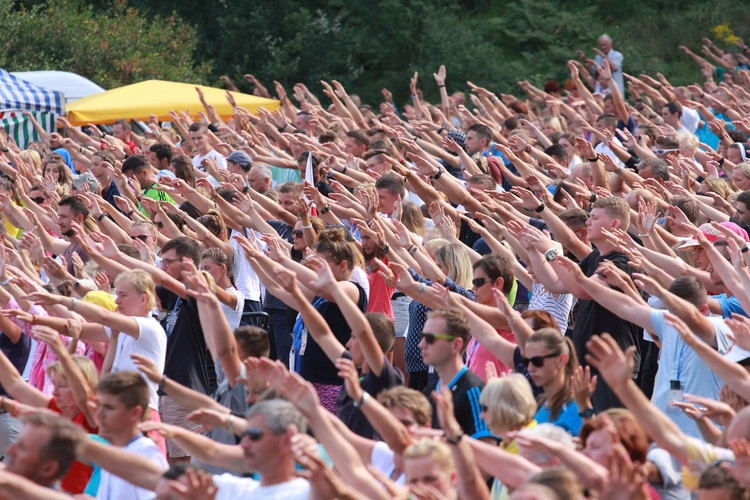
(550, 255)
(540, 208)
(358, 404)
(454, 440)
(587, 413)
(438, 174)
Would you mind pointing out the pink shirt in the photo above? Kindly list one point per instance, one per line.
(477, 357)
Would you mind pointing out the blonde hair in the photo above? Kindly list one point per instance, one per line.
(457, 263)
(744, 168)
(688, 141)
(83, 363)
(32, 156)
(553, 122)
(510, 402)
(435, 450)
(408, 399)
(142, 283)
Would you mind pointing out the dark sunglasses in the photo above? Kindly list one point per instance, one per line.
(477, 282)
(538, 361)
(142, 237)
(429, 338)
(39, 200)
(160, 225)
(253, 434)
(297, 233)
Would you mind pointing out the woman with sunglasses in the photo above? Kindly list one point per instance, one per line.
(551, 362)
(215, 263)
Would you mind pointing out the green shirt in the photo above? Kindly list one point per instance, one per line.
(155, 194)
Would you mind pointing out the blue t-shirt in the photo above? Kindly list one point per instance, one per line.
(568, 417)
(729, 305)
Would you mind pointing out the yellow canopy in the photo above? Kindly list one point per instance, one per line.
(157, 97)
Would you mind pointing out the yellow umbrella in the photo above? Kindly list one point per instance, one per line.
(157, 97)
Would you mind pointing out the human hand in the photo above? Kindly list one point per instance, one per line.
(614, 365)
(49, 336)
(583, 386)
(209, 419)
(147, 366)
(348, 373)
(446, 417)
(440, 75)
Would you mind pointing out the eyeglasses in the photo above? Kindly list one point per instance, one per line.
(168, 262)
(429, 338)
(538, 361)
(39, 200)
(663, 151)
(253, 434)
(297, 233)
(142, 237)
(477, 282)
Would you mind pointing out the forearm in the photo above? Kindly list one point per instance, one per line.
(188, 398)
(511, 469)
(471, 484)
(545, 274)
(131, 467)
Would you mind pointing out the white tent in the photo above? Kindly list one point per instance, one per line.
(73, 86)
(17, 96)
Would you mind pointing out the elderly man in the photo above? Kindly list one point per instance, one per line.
(605, 51)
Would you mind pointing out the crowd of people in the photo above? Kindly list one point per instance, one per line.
(541, 296)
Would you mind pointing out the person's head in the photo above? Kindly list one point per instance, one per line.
(45, 448)
(598, 443)
(665, 145)
(478, 139)
(198, 134)
(559, 153)
(71, 209)
(583, 172)
(688, 144)
(538, 319)
(551, 361)
(738, 152)
(654, 168)
(576, 219)
(605, 43)
(384, 332)
(59, 171)
(492, 271)
(551, 432)
(671, 113)
(508, 404)
(607, 121)
(333, 246)
(689, 207)
(182, 166)
(356, 142)
(137, 166)
(742, 207)
(146, 232)
(607, 213)
(239, 162)
(260, 178)
(409, 406)
(715, 185)
(215, 262)
(551, 124)
(123, 404)
(690, 289)
(62, 392)
(444, 337)
(160, 155)
(302, 120)
(563, 482)
(121, 130)
(375, 159)
(289, 193)
(136, 293)
(718, 483)
(390, 188)
(452, 259)
(175, 250)
(741, 176)
(412, 218)
(267, 439)
(38, 195)
(429, 462)
(318, 226)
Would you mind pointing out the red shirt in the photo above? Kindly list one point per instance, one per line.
(78, 475)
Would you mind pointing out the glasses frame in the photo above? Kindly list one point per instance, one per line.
(430, 338)
(538, 361)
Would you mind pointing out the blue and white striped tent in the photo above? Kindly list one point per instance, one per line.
(17, 96)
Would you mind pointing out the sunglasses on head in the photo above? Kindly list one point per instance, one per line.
(141, 237)
(39, 200)
(429, 338)
(664, 151)
(538, 361)
(297, 233)
(253, 434)
(477, 282)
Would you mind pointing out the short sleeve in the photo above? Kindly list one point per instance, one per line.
(731, 305)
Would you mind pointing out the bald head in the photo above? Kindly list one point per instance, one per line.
(740, 426)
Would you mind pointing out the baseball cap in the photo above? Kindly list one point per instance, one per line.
(85, 178)
(240, 157)
(712, 234)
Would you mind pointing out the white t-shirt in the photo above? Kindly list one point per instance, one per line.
(233, 488)
(151, 342)
(112, 487)
(214, 155)
(234, 316)
(382, 459)
(244, 276)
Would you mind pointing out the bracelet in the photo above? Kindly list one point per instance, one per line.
(528, 148)
(407, 175)
(162, 382)
(358, 404)
(325, 209)
(230, 427)
(593, 198)
(540, 208)
(619, 171)
(307, 227)
(593, 160)
(454, 440)
(101, 216)
(72, 304)
(130, 213)
(438, 174)
(345, 168)
(441, 86)
(5, 282)
(745, 249)
(385, 249)
(246, 188)
(721, 162)
(415, 97)
(421, 289)
(645, 235)
(14, 411)
(412, 249)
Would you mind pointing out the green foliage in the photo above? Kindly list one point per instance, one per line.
(112, 48)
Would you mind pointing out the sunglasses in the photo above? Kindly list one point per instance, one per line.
(429, 338)
(253, 434)
(664, 151)
(477, 282)
(297, 233)
(538, 361)
(39, 200)
(160, 225)
(142, 237)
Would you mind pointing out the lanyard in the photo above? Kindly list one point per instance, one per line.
(173, 316)
(452, 382)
